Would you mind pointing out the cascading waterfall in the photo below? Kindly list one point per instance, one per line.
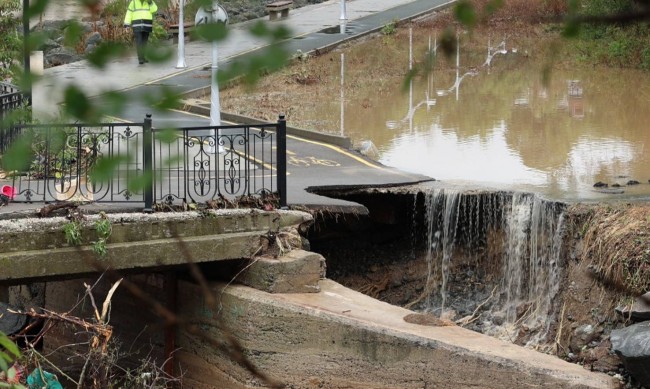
(512, 240)
(442, 239)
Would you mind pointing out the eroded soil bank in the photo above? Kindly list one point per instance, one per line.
(603, 263)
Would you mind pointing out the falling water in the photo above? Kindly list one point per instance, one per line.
(512, 240)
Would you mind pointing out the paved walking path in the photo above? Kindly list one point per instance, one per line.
(307, 25)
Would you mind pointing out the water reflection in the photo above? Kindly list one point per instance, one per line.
(507, 129)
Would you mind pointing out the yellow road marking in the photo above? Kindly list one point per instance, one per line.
(338, 150)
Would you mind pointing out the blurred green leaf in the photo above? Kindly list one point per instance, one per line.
(72, 34)
(173, 161)
(280, 33)
(571, 28)
(448, 42)
(159, 53)
(410, 75)
(19, 155)
(104, 53)
(163, 98)
(273, 58)
(139, 180)
(22, 80)
(4, 358)
(36, 8)
(211, 32)
(9, 345)
(104, 168)
(57, 139)
(78, 105)
(114, 102)
(35, 40)
(11, 374)
(546, 75)
(573, 6)
(167, 135)
(260, 29)
(204, 3)
(465, 13)
(492, 6)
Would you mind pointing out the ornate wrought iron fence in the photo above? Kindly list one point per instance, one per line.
(10, 99)
(133, 162)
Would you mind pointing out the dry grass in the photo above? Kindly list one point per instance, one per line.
(511, 13)
(617, 246)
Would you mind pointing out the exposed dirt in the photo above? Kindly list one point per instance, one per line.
(615, 237)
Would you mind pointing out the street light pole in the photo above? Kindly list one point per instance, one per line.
(342, 94)
(343, 16)
(181, 36)
(215, 109)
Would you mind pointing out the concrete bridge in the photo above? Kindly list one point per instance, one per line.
(294, 324)
(37, 250)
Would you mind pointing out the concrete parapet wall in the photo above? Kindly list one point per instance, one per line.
(339, 338)
(37, 249)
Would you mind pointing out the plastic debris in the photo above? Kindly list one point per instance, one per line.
(41, 379)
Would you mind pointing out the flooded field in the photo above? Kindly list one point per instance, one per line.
(496, 125)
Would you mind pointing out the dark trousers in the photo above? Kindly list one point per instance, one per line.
(141, 38)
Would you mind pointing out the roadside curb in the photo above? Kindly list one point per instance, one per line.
(336, 140)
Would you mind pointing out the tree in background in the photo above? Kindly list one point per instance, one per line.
(11, 42)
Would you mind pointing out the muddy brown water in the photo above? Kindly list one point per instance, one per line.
(504, 127)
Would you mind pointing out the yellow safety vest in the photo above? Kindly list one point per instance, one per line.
(139, 15)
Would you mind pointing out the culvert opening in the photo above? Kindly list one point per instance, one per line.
(489, 261)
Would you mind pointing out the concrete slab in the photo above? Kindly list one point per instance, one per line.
(340, 338)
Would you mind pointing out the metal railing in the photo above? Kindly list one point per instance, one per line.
(10, 100)
(134, 162)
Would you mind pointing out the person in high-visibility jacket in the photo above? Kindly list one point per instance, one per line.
(139, 16)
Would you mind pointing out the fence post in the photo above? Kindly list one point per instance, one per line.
(282, 160)
(147, 163)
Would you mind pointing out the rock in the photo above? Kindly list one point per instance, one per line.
(89, 48)
(86, 27)
(51, 28)
(10, 323)
(601, 358)
(498, 318)
(639, 311)
(600, 184)
(94, 38)
(61, 56)
(49, 45)
(582, 336)
(369, 150)
(632, 345)
(633, 182)
(641, 308)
